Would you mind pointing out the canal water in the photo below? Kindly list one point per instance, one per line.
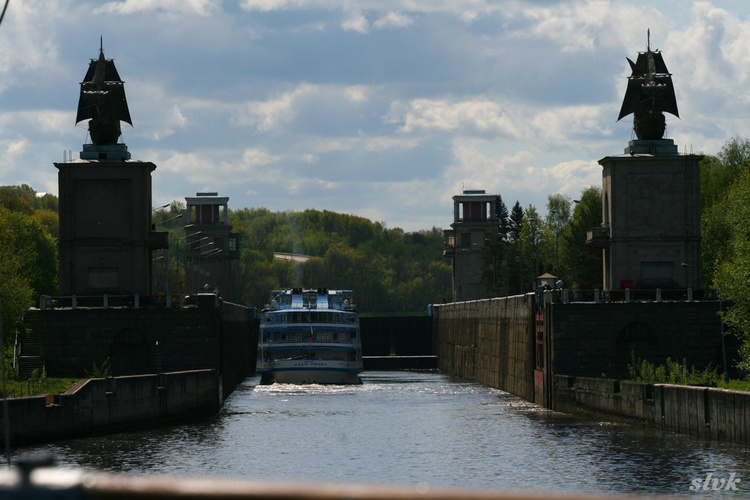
(415, 428)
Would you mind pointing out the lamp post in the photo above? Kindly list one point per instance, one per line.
(686, 267)
(189, 250)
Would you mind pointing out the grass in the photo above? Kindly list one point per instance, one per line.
(21, 387)
(737, 385)
(674, 372)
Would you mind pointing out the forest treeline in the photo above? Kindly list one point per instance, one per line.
(390, 271)
(397, 272)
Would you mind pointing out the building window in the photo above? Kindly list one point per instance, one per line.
(232, 243)
(465, 240)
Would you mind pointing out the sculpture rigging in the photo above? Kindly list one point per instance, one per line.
(650, 93)
(103, 101)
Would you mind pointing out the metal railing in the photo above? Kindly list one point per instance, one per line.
(26, 388)
(111, 301)
(567, 296)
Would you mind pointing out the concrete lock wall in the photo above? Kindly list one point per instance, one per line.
(239, 344)
(113, 404)
(149, 340)
(488, 341)
(712, 413)
(594, 339)
(135, 341)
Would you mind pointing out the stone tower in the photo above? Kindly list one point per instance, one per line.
(474, 221)
(650, 233)
(211, 246)
(106, 233)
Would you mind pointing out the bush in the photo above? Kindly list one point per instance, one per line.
(673, 372)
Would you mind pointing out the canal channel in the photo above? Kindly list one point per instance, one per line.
(415, 428)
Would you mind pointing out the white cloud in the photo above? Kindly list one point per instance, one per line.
(589, 25)
(565, 123)
(366, 144)
(269, 115)
(28, 35)
(37, 121)
(15, 148)
(393, 20)
(157, 113)
(219, 169)
(357, 22)
(470, 8)
(356, 93)
(200, 7)
(476, 116)
(269, 5)
(711, 54)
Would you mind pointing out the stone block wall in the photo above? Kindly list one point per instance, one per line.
(707, 412)
(488, 341)
(114, 404)
(149, 340)
(135, 341)
(601, 340)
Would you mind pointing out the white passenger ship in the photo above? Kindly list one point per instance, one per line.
(309, 337)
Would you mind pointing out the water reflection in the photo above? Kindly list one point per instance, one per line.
(412, 428)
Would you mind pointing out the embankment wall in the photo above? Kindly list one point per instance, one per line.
(208, 335)
(99, 406)
(591, 339)
(711, 413)
(488, 341)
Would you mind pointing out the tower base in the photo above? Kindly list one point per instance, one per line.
(651, 147)
(105, 152)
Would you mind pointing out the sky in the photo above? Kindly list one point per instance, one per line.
(383, 109)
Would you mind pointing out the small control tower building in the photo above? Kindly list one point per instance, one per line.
(211, 246)
(474, 221)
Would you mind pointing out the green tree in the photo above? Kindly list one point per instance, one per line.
(733, 266)
(532, 240)
(582, 263)
(503, 218)
(28, 265)
(558, 218)
(719, 172)
(718, 176)
(516, 220)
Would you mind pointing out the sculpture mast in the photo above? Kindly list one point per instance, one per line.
(649, 95)
(102, 100)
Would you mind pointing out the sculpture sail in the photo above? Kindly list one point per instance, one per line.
(650, 93)
(102, 101)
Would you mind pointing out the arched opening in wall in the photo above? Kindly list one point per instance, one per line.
(605, 219)
(130, 353)
(635, 342)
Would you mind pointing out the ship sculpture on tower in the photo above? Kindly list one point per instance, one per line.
(649, 95)
(102, 101)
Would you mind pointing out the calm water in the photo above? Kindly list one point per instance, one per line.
(413, 428)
